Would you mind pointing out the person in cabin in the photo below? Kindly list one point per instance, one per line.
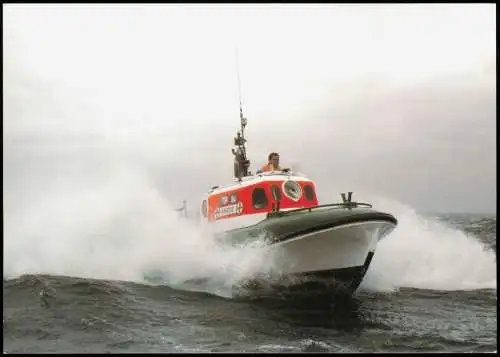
(273, 163)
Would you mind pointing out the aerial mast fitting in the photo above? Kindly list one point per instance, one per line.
(241, 162)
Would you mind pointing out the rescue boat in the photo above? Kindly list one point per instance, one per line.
(308, 242)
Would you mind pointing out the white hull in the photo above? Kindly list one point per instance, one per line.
(340, 254)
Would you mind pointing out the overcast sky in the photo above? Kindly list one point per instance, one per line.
(395, 100)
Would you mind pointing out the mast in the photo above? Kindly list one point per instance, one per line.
(241, 162)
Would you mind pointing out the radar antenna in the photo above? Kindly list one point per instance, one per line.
(241, 162)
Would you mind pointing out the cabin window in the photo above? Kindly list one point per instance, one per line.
(204, 208)
(309, 193)
(223, 200)
(259, 198)
(233, 199)
(276, 193)
(292, 190)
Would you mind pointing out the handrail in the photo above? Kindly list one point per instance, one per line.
(345, 205)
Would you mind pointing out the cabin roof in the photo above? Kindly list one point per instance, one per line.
(262, 177)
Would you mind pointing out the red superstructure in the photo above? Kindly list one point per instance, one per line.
(259, 194)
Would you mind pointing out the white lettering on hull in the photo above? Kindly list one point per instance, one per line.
(229, 210)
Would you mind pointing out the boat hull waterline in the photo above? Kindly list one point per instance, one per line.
(333, 247)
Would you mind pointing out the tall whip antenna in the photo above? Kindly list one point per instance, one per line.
(241, 163)
(243, 120)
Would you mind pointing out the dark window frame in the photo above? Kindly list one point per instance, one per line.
(276, 193)
(260, 205)
(308, 192)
